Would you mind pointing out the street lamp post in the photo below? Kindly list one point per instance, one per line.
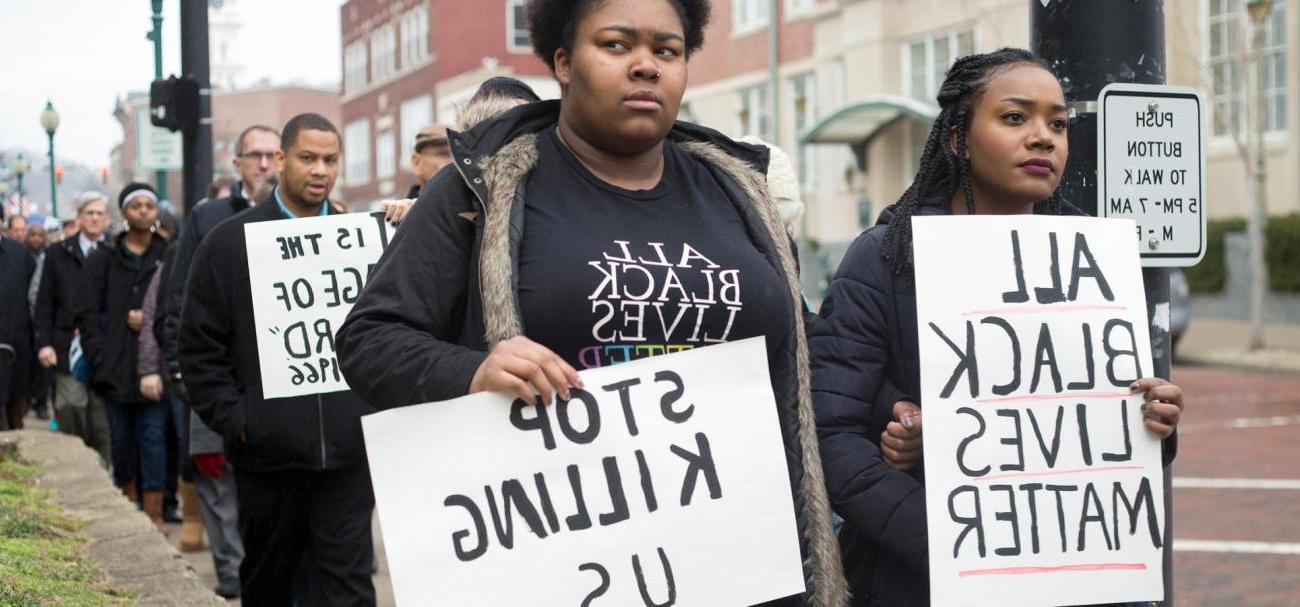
(1260, 11)
(20, 167)
(50, 122)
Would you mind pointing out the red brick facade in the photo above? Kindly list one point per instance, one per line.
(463, 37)
(724, 56)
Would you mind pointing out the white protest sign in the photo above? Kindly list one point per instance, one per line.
(1043, 487)
(664, 482)
(305, 274)
(1150, 163)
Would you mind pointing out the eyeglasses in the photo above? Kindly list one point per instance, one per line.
(258, 156)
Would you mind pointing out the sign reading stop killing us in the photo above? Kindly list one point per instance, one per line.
(305, 275)
(662, 483)
(1043, 487)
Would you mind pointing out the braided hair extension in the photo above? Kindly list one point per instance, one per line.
(942, 170)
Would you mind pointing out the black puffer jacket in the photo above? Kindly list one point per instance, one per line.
(114, 283)
(55, 318)
(219, 359)
(865, 357)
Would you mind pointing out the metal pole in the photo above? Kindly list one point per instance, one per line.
(54, 194)
(159, 177)
(1089, 45)
(1255, 108)
(773, 68)
(197, 172)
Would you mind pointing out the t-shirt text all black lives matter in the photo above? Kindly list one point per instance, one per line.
(608, 275)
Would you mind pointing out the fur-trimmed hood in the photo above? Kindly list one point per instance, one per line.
(494, 157)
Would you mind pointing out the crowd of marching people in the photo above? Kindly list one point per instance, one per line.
(137, 334)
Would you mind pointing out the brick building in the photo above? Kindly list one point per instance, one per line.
(407, 64)
(232, 112)
(858, 78)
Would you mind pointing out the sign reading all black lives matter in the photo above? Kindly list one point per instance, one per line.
(305, 275)
(664, 482)
(1043, 487)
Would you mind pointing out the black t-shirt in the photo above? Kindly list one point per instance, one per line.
(608, 275)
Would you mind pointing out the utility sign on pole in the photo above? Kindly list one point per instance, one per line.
(156, 148)
(1151, 167)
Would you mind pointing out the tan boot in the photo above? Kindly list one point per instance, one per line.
(153, 506)
(128, 489)
(192, 525)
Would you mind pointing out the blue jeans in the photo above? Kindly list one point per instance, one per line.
(139, 429)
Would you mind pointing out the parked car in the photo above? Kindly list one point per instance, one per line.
(1180, 310)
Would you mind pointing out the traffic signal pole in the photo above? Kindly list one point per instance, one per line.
(1089, 45)
(197, 137)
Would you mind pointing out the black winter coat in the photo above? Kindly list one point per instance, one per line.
(58, 298)
(171, 292)
(865, 357)
(113, 284)
(16, 269)
(219, 360)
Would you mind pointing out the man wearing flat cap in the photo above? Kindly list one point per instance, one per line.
(431, 154)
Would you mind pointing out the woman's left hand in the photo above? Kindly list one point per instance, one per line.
(1163, 405)
(151, 387)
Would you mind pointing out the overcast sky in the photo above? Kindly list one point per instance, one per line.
(83, 54)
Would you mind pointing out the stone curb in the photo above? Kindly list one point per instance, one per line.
(122, 542)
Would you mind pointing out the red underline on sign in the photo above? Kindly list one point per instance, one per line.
(989, 477)
(1063, 396)
(1029, 570)
(1044, 309)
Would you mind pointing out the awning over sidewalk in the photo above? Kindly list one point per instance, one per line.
(859, 121)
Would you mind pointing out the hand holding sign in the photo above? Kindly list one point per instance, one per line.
(901, 441)
(1163, 407)
(526, 369)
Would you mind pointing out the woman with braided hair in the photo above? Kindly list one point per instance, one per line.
(998, 146)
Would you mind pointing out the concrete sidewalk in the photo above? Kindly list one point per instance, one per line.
(1222, 342)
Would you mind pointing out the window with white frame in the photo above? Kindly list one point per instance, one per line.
(385, 155)
(517, 26)
(803, 111)
(748, 15)
(799, 6)
(928, 60)
(356, 151)
(383, 52)
(1230, 35)
(414, 115)
(415, 35)
(354, 66)
(755, 115)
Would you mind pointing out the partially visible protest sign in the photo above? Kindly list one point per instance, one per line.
(663, 482)
(1042, 485)
(305, 274)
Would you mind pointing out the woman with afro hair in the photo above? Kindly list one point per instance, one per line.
(998, 146)
(505, 276)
